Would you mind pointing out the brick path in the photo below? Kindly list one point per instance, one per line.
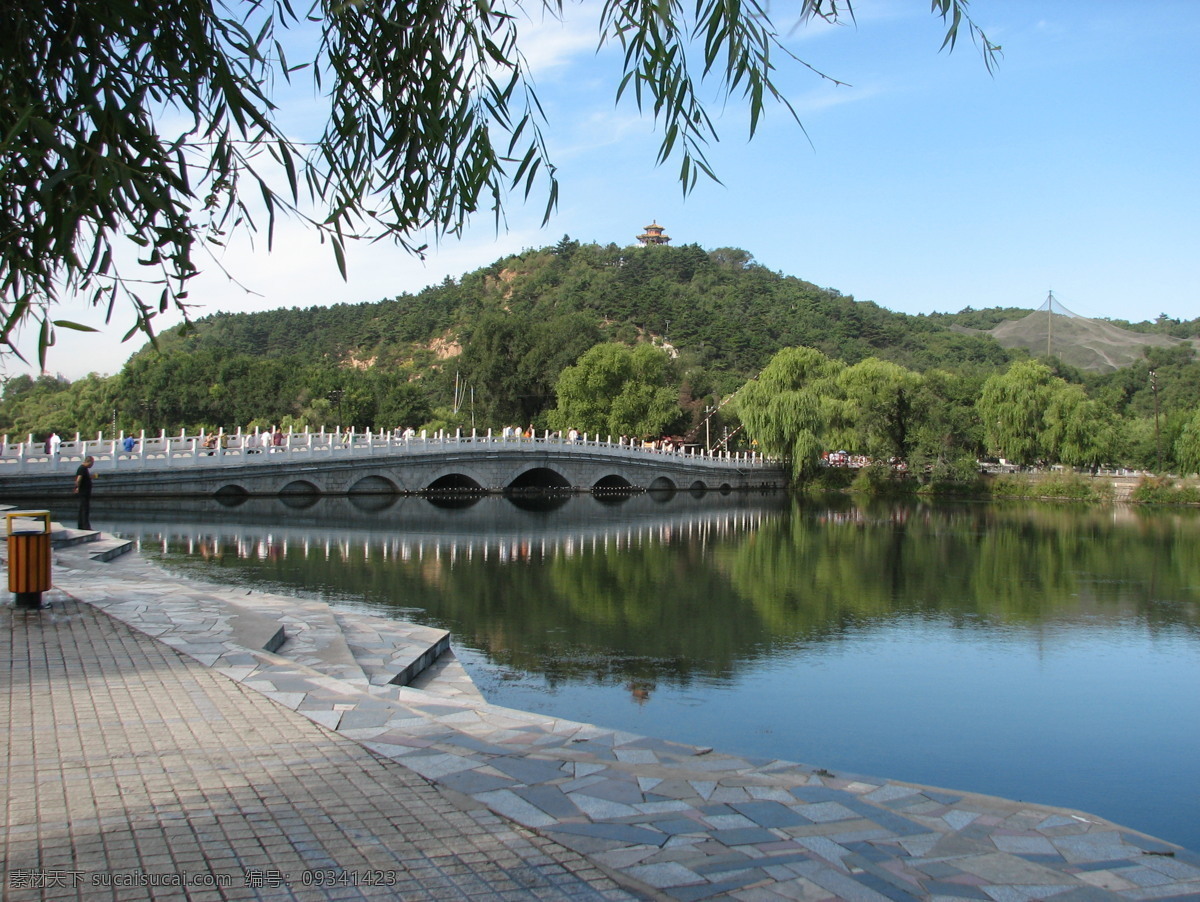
(125, 758)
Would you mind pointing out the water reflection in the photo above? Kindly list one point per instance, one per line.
(730, 575)
(647, 589)
(1041, 652)
(972, 564)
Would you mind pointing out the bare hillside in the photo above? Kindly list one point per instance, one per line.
(1089, 344)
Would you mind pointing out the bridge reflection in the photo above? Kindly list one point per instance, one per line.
(413, 529)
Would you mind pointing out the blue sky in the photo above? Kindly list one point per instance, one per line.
(924, 184)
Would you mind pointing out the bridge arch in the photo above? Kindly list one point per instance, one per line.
(611, 484)
(662, 484)
(454, 482)
(540, 478)
(300, 487)
(540, 502)
(453, 500)
(299, 501)
(300, 494)
(373, 485)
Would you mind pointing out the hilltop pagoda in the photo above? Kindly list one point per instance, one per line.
(654, 235)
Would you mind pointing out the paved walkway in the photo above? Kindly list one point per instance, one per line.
(130, 765)
(160, 733)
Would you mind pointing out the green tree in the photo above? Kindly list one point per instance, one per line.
(878, 415)
(946, 440)
(157, 122)
(512, 360)
(400, 403)
(1078, 431)
(618, 390)
(1187, 446)
(792, 405)
(1012, 407)
(1029, 414)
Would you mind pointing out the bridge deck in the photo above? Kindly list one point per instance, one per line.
(336, 463)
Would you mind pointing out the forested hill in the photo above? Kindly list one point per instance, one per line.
(488, 350)
(720, 308)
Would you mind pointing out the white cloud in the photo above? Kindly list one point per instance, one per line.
(828, 96)
(598, 129)
(550, 45)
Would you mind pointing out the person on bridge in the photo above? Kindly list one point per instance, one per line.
(83, 488)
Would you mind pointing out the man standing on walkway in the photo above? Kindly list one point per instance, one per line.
(83, 488)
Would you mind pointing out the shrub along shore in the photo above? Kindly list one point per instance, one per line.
(1060, 486)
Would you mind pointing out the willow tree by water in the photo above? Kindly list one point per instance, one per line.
(1187, 446)
(1031, 415)
(793, 406)
(804, 404)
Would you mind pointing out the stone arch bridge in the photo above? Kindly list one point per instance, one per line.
(349, 464)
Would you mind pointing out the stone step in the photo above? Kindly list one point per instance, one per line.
(391, 652)
(100, 546)
(315, 637)
(447, 678)
(256, 632)
(67, 536)
(202, 624)
(108, 549)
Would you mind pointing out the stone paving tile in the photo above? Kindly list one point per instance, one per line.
(676, 820)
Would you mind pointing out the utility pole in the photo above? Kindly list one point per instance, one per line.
(336, 397)
(1049, 322)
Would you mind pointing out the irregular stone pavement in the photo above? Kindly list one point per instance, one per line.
(227, 750)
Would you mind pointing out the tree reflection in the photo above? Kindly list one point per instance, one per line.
(644, 594)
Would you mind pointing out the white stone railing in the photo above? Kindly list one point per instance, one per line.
(228, 449)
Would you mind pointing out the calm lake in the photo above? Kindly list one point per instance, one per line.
(1047, 653)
